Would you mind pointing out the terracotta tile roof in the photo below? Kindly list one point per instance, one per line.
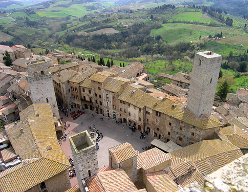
(100, 76)
(202, 150)
(66, 75)
(34, 137)
(81, 76)
(8, 154)
(236, 136)
(175, 90)
(105, 168)
(123, 152)
(21, 62)
(27, 175)
(182, 77)
(151, 158)
(138, 98)
(6, 80)
(74, 189)
(94, 184)
(114, 85)
(61, 67)
(131, 70)
(4, 48)
(242, 94)
(176, 110)
(186, 173)
(116, 180)
(157, 94)
(242, 123)
(86, 83)
(161, 182)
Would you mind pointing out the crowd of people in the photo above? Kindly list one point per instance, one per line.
(72, 172)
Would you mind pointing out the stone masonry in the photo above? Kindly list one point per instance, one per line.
(203, 83)
(84, 156)
(41, 84)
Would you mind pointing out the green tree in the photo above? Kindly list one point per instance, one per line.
(120, 65)
(111, 63)
(108, 63)
(93, 59)
(223, 90)
(7, 59)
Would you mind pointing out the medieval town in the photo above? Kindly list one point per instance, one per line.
(84, 127)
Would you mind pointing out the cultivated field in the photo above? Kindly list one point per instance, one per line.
(5, 37)
(236, 40)
(107, 31)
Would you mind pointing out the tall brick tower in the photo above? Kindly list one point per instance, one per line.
(203, 82)
(84, 156)
(41, 84)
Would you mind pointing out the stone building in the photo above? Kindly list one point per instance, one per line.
(98, 82)
(4, 48)
(86, 94)
(75, 81)
(21, 51)
(111, 92)
(43, 165)
(20, 65)
(125, 157)
(84, 156)
(62, 86)
(41, 84)
(203, 83)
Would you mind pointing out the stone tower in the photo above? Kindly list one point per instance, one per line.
(203, 83)
(41, 84)
(84, 155)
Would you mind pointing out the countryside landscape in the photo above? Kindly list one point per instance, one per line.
(163, 36)
(123, 96)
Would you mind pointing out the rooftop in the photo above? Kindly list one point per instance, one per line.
(123, 152)
(114, 85)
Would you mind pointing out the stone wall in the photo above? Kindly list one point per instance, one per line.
(203, 82)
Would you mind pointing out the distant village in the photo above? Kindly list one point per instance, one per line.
(196, 147)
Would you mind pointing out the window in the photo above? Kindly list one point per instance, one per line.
(96, 102)
(193, 134)
(125, 111)
(157, 120)
(168, 133)
(76, 90)
(100, 103)
(120, 109)
(99, 88)
(180, 138)
(72, 89)
(42, 185)
(124, 102)
(157, 129)
(90, 100)
(107, 96)
(114, 106)
(42, 72)
(147, 112)
(139, 119)
(211, 80)
(100, 96)
(114, 98)
(120, 101)
(199, 62)
(129, 114)
(89, 91)
(95, 95)
(139, 109)
(84, 98)
(47, 100)
(169, 123)
(83, 90)
(158, 113)
(147, 120)
(180, 128)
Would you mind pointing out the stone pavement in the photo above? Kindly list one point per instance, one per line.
(113, 134)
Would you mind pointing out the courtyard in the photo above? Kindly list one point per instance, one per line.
(113, 134)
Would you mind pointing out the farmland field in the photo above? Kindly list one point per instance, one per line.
(191, 17)
(236, 40)
(5, 37)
